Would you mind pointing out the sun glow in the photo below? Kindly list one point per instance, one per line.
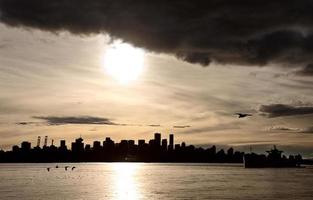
(126, 187)
(123, 62)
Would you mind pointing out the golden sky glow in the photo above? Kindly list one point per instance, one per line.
(44, 74)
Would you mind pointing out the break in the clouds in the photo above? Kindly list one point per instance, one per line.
(53, 120)
(279, 110)
(237, 32)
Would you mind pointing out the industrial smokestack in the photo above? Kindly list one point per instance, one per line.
(46, 141)
(38, 141)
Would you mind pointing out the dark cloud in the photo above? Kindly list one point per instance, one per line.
(24, 123)
(56, 120)
(278, 110)
(53, 120)
(183, 126)
(306, 71)
(241, 32)
(154, 125)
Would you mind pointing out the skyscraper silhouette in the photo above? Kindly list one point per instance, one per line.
(157, 139)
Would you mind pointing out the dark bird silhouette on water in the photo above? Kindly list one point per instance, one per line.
(242, 115)
(73, 168)
(48, 169)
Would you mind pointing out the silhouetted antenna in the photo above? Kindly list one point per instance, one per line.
(46, 140)
(38, 141)
(52, 141)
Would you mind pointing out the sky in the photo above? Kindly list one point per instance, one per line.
(202, 63)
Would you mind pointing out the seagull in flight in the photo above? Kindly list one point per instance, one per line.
(48, 169)
(66, 167)
(242, 115)
(73, 168)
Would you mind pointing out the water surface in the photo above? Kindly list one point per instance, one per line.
(152, 181)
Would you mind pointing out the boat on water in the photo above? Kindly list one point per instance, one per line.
(273, 159)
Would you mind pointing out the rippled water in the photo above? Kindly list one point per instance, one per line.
(152, 181)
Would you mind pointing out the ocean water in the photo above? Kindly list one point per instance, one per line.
(152, 181)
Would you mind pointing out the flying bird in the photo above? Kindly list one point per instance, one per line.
(66, 167)
(242, 115)
(48, 169)
(73, 168)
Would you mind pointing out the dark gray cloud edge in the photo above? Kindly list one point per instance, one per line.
(87, 120)
(53, 120)
(279, 110)
(241, 32)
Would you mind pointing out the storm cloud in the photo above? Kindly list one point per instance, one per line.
(279, 110)
(53, 120)
(86, 120)
(242, 32)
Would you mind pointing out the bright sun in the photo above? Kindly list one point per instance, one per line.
(123, 62)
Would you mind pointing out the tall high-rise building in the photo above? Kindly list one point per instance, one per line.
(25, 146)
(183, 144)
(151, 143)
(108, 144)
(96, 145)
(78, 145)
(15, 148)
(131, 143)
(172, 139)
(164, 144)
(171, 143)
(157, 139)
(63, 145)
(87, 147)
(141, 142)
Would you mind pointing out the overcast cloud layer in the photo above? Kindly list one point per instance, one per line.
(244, 32)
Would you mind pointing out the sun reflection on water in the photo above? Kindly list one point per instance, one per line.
(125, 184)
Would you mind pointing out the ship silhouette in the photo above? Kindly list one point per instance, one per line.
(274, 159)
